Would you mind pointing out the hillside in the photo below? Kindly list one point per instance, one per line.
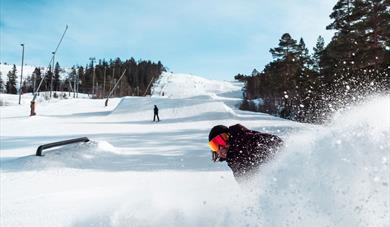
(27, 71)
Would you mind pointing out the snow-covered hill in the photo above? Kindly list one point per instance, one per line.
(27, 71)
(186, 86)
(136, 172)
(5, 68)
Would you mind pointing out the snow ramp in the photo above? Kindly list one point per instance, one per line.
(182, 96)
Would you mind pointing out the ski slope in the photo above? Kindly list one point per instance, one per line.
(136, 172)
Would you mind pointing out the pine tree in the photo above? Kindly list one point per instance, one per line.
(318, 49)
(37, 77)
(338, 59)
(288, 81)
(11, 83)
(286, 56)
(72, 79)
(343, 43)
(286, 50)
(28, 84)
(371, 23)
(255, 72)
(2, 85)
(56, 79)
(359, 45)
(81, 79)
(303, 54)
(47, 79)
(341, 14)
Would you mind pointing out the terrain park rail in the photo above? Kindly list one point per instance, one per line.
(60, 143)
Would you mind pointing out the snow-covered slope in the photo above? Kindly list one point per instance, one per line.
(184, 86)
(136, 172)
(27, 71)
(5, 68)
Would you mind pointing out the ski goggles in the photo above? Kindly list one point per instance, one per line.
(217, 141)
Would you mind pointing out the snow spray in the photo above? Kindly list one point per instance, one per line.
(333, 175)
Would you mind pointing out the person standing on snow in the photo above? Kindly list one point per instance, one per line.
(156, 114)
(244, 150)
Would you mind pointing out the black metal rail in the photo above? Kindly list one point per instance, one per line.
(60, 143)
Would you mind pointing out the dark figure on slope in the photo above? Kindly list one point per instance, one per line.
(244, 150)
(155, 114)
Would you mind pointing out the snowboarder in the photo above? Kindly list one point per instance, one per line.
(156, 114)
(244, 150)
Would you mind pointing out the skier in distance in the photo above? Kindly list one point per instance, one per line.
(156, 114)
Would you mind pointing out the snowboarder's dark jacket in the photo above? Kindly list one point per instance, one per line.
(249, 149)
(155, 110)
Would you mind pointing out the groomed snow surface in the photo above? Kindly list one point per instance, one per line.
(136, 172)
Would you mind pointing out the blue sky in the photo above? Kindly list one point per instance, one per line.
(215, 39)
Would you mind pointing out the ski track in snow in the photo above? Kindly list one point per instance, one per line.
(135, 172)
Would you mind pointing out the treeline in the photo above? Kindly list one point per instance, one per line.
(99, 79)
(96, 79)
(30, 83)
(356, 62)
